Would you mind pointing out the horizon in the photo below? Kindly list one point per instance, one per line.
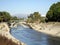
(26, 6)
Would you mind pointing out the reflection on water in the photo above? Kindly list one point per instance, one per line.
(32, 37)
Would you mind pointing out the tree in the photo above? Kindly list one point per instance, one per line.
(54, 13)
(34, 17)
(4, 16)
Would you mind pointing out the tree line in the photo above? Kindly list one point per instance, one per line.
(53, 15)
(5, 17)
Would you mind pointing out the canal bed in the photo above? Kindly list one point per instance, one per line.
(32, 37)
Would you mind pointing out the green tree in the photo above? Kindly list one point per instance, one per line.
(54, 13)
(34, 17)
(4, 16)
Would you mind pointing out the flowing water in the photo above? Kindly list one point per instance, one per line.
(32, 37)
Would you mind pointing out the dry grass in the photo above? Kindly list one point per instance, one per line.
(6, 41)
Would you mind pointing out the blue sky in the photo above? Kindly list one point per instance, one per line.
(26, 6)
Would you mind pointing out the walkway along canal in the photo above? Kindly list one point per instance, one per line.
(32, 37)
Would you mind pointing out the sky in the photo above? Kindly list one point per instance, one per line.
(26, 6)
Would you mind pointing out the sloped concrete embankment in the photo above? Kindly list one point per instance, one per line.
(5, 32)
(52, 29)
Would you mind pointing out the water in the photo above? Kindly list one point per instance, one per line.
(32, 37)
